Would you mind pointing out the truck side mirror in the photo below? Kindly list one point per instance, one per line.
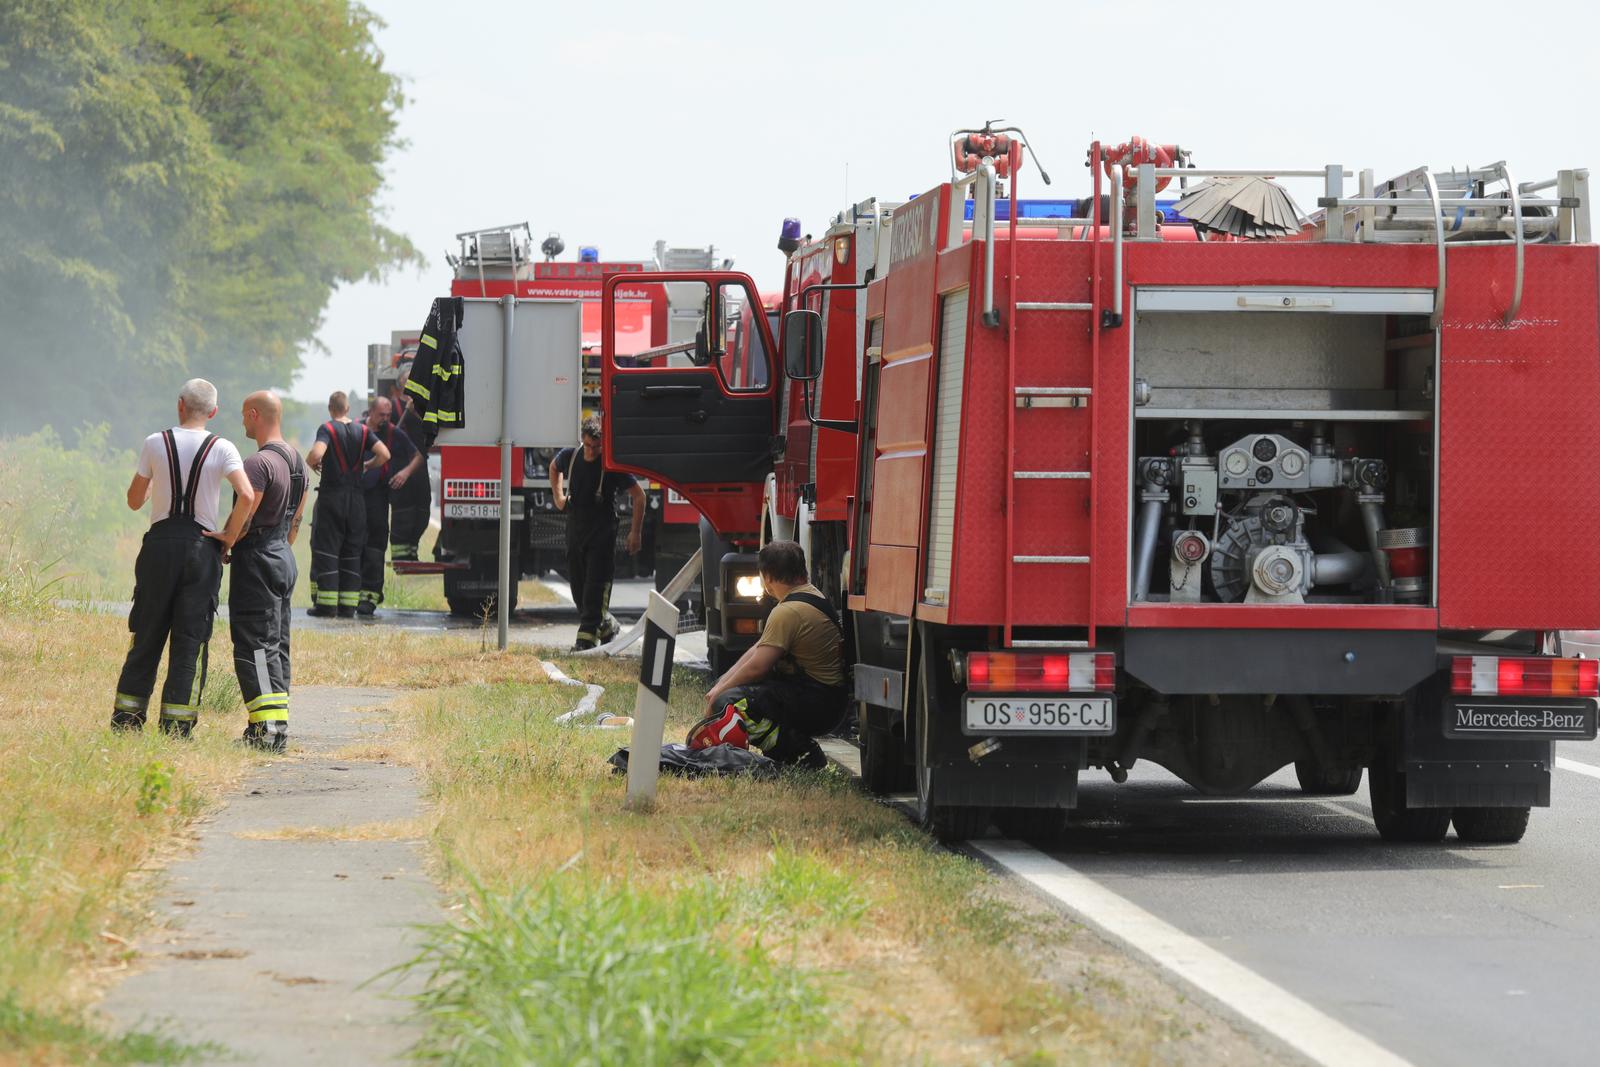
(802, 345)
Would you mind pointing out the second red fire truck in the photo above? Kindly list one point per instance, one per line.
(1102, 486)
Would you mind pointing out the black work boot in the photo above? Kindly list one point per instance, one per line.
(180, 728)
(320, 611)
(346, 612)
(267, 736)
(127, 722)
(367, 607)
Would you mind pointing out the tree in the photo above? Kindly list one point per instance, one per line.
(182, 185)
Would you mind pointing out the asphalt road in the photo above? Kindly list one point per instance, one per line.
(1448, 954)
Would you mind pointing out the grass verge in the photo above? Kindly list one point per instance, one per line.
(86, 814)
(586, 930)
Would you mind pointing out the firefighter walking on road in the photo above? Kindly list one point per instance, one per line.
(264, 572)
(377, 485)
(339, 520)
(179, 569)
(587, 492)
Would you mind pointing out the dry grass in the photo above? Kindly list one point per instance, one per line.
(397, 830)
(86, 816)
(924, 956)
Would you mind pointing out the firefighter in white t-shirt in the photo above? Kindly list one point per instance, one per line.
(179, 569)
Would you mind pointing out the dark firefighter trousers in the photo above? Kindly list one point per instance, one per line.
(376, 502)
(261, 583)
(412, 503)
(784, 713)
(176, 579)
(338, 537)
(591, 564)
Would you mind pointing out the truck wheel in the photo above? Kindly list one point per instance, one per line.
(1327, 781)
(1031, 824)
(1394, 820)
(1491, 826)
(947, 822)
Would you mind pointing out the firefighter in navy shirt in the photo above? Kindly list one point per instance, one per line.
(343, 451)
(179, 569)
(587, 492)
(376, 486)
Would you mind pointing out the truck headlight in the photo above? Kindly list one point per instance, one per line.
(748, 586)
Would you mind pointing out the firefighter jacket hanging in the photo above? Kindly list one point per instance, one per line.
(436, 382)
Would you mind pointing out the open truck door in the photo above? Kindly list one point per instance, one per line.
(700, 412)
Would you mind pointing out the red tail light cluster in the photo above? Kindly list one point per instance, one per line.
(1041, 671)
(472, 489)
(1524, 676)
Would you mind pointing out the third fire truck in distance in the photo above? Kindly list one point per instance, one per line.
(500, 261)
(1097, 485)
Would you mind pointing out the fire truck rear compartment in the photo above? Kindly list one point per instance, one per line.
(1282, 457)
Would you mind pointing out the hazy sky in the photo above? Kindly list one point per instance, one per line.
(619, 123)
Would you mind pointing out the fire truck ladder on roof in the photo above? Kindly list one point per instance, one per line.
(1071, 398)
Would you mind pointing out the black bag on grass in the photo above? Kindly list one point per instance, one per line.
(699, 762)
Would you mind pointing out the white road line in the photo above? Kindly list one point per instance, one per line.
(1581, 768)
(1282, 1014)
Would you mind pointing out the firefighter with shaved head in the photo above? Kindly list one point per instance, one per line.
(264, 573)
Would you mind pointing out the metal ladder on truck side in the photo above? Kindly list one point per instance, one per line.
(1071, 397)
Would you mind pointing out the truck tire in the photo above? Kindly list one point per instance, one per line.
(1032, 824)
(1395, 821)
(947, 822)
(476, 605)
(1491, 826)
(1317, 780)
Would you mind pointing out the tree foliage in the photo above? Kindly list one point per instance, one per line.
(182, 185)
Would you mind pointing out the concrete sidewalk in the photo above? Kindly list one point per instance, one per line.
(272, 932)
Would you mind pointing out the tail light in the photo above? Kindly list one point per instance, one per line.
(472, 489)
(1532, 677)
(1042, 671)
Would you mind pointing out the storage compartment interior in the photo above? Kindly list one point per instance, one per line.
(1283, 458)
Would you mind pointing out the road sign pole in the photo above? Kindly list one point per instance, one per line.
(508, 309)
(650, 704)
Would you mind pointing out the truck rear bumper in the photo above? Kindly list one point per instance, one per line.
(1329, 662)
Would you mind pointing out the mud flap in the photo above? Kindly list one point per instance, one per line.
(1442, 772)
(988, 771)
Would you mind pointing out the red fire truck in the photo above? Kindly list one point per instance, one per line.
(1227, 504)
(500, 261)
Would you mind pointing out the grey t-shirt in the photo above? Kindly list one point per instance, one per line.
(269, 475)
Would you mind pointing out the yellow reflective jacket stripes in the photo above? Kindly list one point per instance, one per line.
(436, 381)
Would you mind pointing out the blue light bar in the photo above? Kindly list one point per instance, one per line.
(588, 254)
(1067, 209)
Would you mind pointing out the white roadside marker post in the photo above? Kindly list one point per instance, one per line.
(650, 704)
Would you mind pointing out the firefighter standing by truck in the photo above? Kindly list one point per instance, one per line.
(378, 484)
(264, 573)
(339, 521)
(789, 689)
(587, 492)
(179, 568)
